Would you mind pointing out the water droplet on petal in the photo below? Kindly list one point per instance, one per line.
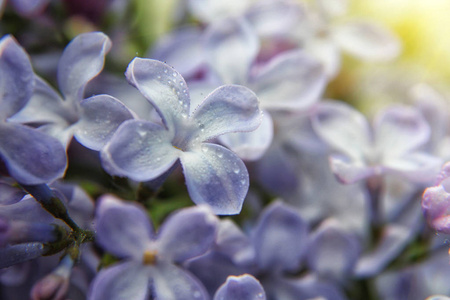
(236, 169)
(174, 74)
(205, 148)
(165, 71)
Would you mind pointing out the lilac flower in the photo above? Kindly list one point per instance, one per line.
(391, 147)
(93, 120)
(436, 202)
(143, 150)
(244, 287)
(30, 156)
(323, 37)
(290, 81)
(125, 231)
(27, 8)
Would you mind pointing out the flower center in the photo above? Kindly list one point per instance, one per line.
(149, 257)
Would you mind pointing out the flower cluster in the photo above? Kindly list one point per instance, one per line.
(211, 162)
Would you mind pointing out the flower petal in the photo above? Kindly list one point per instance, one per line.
(326, 52)
(343, 128)
(123, 228)
(367, 40)
(231, 47)
(251, 145)
(348, 171)
(29, 8)
(16, 82)
(181, 49)
(417, 167)
(187, 233)
(211, 10)
(400, 129)
(280, 238)
(172, 282)
(244, 287)
(140, 150)
(163, 86)
(127, 280)
(31, 157)
(102, 116)
(216, 176)
(229, 108)
(81, 61)
(292, 80)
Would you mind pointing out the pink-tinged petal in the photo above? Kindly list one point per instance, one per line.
(187, 233)
(163, 86)
(31, 156)
(274, 18)
(102, 116)
(280, 238)
(348, 171)
(215, 176)
(436, 208)
(139, 150)
(172, 282)
(400, 129)
(326, 52)
(244, 287)
(181, 49)
(292, 80)
(417, 167)
(128, 280)
(252, 145)
(231, 47)
(81, 61)
(367, 40)
(123, 229)
(343, 128)
(229, 108)
(16, 81)
(332, 251)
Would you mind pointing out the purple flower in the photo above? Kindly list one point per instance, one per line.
(143, 150)
(125, 231)
(392, 146)
(30, 156)
(244, 287)
(93, 120)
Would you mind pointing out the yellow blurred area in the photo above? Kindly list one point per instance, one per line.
(422, 25)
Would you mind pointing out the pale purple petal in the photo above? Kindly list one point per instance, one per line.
(332, 251)
(231, 47)
(417, 167)
(229, 108)
(244, 287)
(10, 194)
(45, 106)
(343, 128)
(367, 40)
(163, 86)
(16, 82)
(211, 10)
(140, 150)
(348, 171)
(102, 116)
(274, 17)
(292, 80)
(172, 282)
(31, 156)
(326, 52)
(234, 243)
(280, 238)
(181, 49)
(81, 61)
(216, 176)
(123, 229)
(400, 129)
(29, 8)
(128, 280)
(252, 145)
(187, 233)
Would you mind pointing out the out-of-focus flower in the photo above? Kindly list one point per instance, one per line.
(31, 157)
(93, 120)
(143, 150)
(392, 146)
(125, 231)
(26, 8)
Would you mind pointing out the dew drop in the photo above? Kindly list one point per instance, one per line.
(165, 71)
(220, 154)
(159, 77)
(184, 116)
(205, 148)
(182, 84)
(236, 170)
(260, 295)
(243, 181)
